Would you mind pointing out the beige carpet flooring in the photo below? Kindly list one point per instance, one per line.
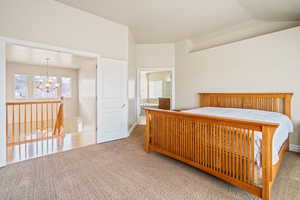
(121, 170)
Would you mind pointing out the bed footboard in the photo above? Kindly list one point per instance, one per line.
(222, 147)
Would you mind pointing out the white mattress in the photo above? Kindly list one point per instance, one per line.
(281, 134)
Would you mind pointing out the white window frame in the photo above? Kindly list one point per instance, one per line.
(71, 87)
(27, 86)
(153, 90)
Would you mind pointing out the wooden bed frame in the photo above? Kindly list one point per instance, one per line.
(222, 147)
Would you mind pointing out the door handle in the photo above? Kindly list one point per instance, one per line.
(123, 106)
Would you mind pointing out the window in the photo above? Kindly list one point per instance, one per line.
(21, 90)
(143, 85)
(40, 93)
(66, 87)
(33, 86)
(155, 89)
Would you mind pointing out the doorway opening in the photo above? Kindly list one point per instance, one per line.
(156, 88)
(50, 101)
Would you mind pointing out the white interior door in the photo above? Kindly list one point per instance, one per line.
(2, 106)
(112, 122)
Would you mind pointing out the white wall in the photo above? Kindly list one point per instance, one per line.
(268, 63)
(131, 81)
(53, 23)
(2, 106)
(155, 55)
(87, 95)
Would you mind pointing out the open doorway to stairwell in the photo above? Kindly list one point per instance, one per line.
(50, 102)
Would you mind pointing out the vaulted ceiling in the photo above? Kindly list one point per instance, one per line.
(159, 21)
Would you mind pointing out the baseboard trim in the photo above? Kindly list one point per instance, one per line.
(132, 128)
(295, 148)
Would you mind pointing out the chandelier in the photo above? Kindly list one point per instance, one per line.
(49, 84)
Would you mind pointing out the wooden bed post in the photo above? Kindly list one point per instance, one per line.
(267, 138)
(201, 100)
(287, 105)
(147, 132)
(288, 110)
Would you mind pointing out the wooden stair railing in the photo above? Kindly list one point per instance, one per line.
(30, 121)
(59, 124)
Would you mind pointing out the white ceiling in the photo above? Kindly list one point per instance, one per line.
(32, 56)
(159, 21)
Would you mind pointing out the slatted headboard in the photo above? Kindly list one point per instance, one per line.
(275, 102)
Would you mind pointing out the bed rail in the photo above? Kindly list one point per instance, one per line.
(223, 147)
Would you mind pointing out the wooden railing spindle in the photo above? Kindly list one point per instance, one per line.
(13, 124)
(25, 121)
(42, 126)
(7, 128)
(37, 127)
(47, 126)
(31, 119)
(19, 124)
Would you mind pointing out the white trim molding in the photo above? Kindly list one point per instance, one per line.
(132, 127)
(295, 148)
(37, 45)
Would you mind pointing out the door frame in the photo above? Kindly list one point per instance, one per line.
(138, 93)
(3, 42)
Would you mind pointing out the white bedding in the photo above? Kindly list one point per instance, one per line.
(281, 134)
